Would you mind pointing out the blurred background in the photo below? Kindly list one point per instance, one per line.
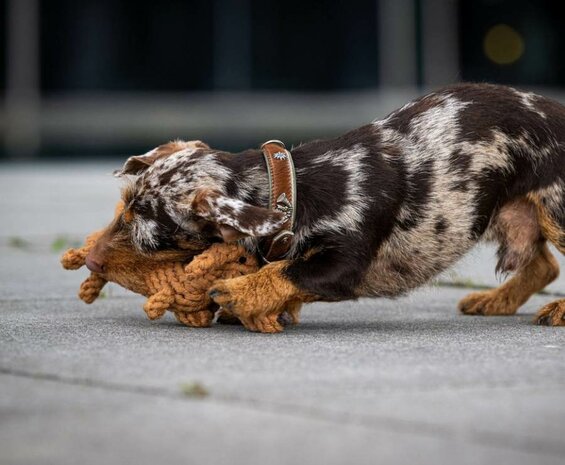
(92, 78)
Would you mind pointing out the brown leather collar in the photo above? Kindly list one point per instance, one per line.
(282, 197)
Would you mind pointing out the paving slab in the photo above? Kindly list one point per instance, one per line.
(408, 367)
(52, 423)
(45, 200)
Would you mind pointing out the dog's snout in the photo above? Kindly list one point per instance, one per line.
(94, 264)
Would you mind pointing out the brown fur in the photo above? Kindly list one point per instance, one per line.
(506, 299)
(516, 228)
(552, 314)
(549, 226)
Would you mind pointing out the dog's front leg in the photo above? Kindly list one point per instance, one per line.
(258, 299)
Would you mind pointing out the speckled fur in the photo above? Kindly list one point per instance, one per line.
(385, 207)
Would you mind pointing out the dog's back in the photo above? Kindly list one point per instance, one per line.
(465, 154)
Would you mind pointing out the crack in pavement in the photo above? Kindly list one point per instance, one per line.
(489, 438)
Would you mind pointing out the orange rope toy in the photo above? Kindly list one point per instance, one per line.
(173, 286)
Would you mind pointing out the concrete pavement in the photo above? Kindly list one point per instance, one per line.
(403, 381)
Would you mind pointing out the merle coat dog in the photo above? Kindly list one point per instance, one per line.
(381, 209)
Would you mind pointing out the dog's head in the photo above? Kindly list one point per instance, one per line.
(177, 194)
(117, 259)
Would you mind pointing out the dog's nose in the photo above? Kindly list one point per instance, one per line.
(94, 265)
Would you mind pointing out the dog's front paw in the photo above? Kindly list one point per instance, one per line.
(552, 314)
(290, 316)
(241, 298)
(228, 296)
(488, 303)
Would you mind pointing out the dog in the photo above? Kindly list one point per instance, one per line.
(381, 209)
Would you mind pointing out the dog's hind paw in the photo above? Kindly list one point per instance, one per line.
(552, 314)
(491, 302)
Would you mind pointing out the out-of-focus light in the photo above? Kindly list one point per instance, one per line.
(503, 44)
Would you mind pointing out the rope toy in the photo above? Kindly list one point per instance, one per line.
(173, 286)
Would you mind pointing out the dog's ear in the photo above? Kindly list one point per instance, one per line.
(139, 163)
(234, 218)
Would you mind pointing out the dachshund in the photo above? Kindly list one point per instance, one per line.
(380, 210)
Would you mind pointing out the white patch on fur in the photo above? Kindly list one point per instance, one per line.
(489, 154)
(356, 202)
(528, 100)
(438, 126)
(230, 211)
(144, 232)
(432, 138)
(234, 205)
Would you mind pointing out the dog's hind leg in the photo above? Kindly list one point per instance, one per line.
(550, 203)
(523, 250)
(506, 299)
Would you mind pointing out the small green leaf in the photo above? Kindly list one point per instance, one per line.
(194, 389)
(61, 243)
(19, 243)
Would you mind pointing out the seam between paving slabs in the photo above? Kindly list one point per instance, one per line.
(484, 438)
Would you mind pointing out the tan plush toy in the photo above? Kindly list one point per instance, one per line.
(173, 286)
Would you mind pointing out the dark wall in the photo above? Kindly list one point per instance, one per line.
(539, 23)
(321, 45)
(171, 45)
(3, 25)
(126, 45)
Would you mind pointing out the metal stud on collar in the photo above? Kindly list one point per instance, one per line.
(273, 141)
